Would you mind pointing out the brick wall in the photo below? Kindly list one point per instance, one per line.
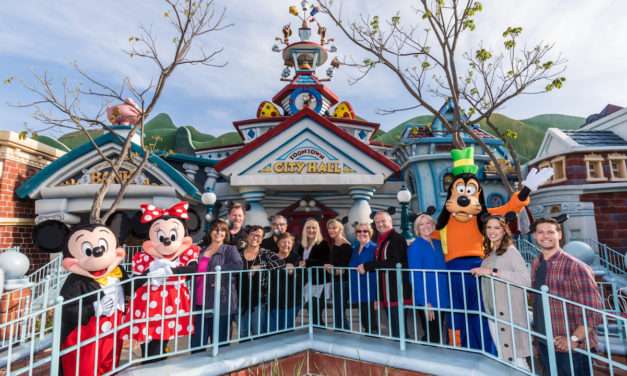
(13, 174)
(610, 211)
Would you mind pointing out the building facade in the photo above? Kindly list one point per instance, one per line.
(590, 180)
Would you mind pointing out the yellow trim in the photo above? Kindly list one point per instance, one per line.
(16, 221)
(444, 241)
(104, 280)
(463, 162)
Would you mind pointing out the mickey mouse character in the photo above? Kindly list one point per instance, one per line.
(162, 307)
(459, 230)
(92, 256)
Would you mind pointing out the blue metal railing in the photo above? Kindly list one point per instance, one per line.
(612, 260)
(388, 297)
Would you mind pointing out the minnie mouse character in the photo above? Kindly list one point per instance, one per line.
(92, 256)
(162, 307)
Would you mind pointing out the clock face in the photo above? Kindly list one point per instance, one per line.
(305, 97)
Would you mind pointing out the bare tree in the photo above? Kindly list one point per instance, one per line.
(60, 108)
(423, 53)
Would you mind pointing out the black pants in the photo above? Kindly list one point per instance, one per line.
(153, 348)
(340, 301)
(368, 316)
(318, 305)
(201, 334)
(393, 321)
(433, 326)
(562, 360)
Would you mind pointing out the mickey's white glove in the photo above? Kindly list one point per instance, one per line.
(536, 178)
(105, 307)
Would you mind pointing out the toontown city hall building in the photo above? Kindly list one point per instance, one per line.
(307, 153)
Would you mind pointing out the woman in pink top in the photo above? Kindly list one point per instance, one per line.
(217, 253)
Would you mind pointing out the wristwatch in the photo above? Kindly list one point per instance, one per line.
(494, 271)
(574, 339)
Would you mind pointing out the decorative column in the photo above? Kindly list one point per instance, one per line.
(256, 214)
(190, 170)
(212, 177)
(360, 211)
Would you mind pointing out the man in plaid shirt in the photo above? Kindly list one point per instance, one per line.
(570, 279)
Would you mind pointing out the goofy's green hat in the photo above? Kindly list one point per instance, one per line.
(464, 161)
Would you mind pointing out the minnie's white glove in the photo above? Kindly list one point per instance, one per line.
(536, 178)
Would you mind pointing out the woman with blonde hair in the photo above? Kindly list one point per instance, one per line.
(315, 252)
(502, 260)
(339, 256)
(363, 287)
(430, 288)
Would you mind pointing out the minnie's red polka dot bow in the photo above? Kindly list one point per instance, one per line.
(151, 212)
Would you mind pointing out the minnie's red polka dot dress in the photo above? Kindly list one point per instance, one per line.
(161, 303)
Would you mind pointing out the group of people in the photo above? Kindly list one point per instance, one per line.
(268, 291)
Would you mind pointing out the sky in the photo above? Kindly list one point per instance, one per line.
(49, 36)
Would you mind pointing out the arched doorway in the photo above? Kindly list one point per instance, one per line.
(301, 210)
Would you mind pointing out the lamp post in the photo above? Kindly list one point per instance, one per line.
(208, 199)
(404, 196)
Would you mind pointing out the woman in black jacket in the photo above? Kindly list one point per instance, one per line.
(315, 252)
(286, 293)
(339, 257)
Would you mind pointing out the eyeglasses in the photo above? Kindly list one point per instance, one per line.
(362, 232)
(279, 224)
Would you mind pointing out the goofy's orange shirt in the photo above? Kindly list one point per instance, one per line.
(464, 239)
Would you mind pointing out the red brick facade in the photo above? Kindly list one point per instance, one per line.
(610, 211)
(19, 160)
(576, 172)
(13, 174)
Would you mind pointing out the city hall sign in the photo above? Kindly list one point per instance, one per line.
(307, 160)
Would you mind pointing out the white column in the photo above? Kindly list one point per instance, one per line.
(360, 211)
(256, 215)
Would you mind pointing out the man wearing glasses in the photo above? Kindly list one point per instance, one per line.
(279, 226)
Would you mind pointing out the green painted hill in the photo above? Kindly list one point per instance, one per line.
(530, 131)
(555, 121)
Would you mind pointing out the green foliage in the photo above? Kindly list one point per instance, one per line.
(556, 84)
(483, 55)
(374, 24)
(396, 20)
(77, 138)
(547, 121)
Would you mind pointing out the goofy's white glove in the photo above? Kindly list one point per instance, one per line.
(536, 178)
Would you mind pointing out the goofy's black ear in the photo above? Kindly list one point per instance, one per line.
(121, 226)
(561, 218)
(372, 214)
(138, 229)
(391, 210)
(345, 220)
(510, 217)
(50, 236)
(430, 210)
(483, 217)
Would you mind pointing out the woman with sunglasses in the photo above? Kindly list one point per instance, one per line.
(502, 260)
(363, 287)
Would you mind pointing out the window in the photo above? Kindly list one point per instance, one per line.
(559, 169)
(546, 164)
(618, 166)
(594, 167)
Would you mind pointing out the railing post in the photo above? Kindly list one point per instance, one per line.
(215, 336)
(309, 302)
(56, 337)
(401, 306)
(548, 328)
(42, 327)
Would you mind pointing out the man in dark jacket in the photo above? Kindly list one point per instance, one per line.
(391, 250)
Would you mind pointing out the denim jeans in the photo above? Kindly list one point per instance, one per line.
(253, 321)
(203, 328)
(281, 319)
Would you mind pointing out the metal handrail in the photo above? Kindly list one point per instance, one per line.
(612, 260)
(227, 282)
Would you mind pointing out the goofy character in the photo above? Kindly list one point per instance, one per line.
(92, 256)
(161, 308)
(459, 230)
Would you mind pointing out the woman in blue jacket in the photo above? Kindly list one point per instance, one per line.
(363, 287)
(430, 288)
